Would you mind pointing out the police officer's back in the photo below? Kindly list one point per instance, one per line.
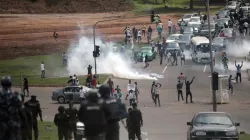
(73, 117)
(92, 114)
(26, 126)
(112, 131)
(10, 108)
(61, 120)
(135, 117)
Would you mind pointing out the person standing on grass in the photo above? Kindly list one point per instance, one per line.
(42, 70)
(65, 57)
(150, 30)
(25, 86)
(143, 29)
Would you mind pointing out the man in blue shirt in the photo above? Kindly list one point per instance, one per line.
(238, 74)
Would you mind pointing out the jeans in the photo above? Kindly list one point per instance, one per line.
(238, 75)
(157, 99)
(188, 93)
(43, 74)
(180, 94)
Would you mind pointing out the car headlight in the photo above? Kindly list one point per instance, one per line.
(200, 133)
(231, 133)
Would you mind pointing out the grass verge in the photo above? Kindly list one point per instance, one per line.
(245, 137)
(29, 67)
(173, 6)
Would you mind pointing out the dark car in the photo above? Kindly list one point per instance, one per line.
(184, 41)
(219, 43)
(220, 22)
(204, 31)
(212, 126)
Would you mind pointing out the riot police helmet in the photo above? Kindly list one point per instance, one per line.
(92, 95)
(104, 90)
(61, 109)
(6, 82)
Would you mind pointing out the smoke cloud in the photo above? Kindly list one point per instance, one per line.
(237, 49)
(81, 55)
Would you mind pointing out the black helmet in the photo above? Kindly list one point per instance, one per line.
(104, 90)
(61, 109)
(6, 81)
(92, 95)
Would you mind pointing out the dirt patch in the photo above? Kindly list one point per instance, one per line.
(27, 35)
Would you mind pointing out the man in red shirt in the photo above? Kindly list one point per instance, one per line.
(93, 81)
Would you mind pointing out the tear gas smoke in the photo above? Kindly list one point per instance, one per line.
(231, 66)
(187, 54)
(236, 49)
(81, 56)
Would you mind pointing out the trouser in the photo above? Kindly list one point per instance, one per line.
(26, 134)
(35, 129)
(43, 74)
(153, 97)
(139, 39)
(175, 61)
(238, 75)
(188, 93)
(143, 33)
(180, 94)
(65, 62)
(161, 61)
(169, 29)
(157, 99)
(27, 89)
(112, 132)
(136, 131)
(72, 129)
(63, 133)
(230, 87)
(182, 59)
(137, 99)
(98, 137)
(169, 61)
(131, 101)
(159, 34)
(245, 28)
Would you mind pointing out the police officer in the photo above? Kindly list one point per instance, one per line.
(93, 115)
(112, 130)
(61, 120)
(26, 129)
(90, 69)
(73, 114)
(34, 106)
(10, 112)
(135, 116)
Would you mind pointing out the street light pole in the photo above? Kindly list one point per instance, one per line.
(211, 57)
(94, 27)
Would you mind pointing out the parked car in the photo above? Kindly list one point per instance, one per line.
(80, 131)
(195, 20)
(212, 126)
(205, 31)
(186, 18)
(68, 93)
(146, 51)
(219, 43)
(223, 13)
(228, 33)
(196, 27)
(188, 30)
(173, 37)
(185, 40)
(231, 5)
(173, 46)
(220, 22)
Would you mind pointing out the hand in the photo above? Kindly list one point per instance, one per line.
(193, 77)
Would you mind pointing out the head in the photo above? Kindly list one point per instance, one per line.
(92, 96)
(181, 73)
(182, 19)
(187, 82)
(153, 83)
(135, 83)
(117, 86)
(74, 75)
(104, 90)
(6, 82)
(169, 20)
(109, 79)
(42, 63)
(230, 76)
(238, 65)
(61, 109)
(63, 52)
(134, 105)
(129, 110)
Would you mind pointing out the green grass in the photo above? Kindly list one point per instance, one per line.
(174, 6)
(52, 133)
(29, 67)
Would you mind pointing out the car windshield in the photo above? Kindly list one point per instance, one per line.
(203, 48)
(172, 37)
(227, 31)
(186, 16)
(194, 20)
(205, 26)
(184, 38)
(188, 29)
(172, 45)
(222, 21)
(224, 12)
(194, 25)
(145, 50)
(212, 119)
(218, 40)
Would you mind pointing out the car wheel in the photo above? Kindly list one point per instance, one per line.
(61, 100)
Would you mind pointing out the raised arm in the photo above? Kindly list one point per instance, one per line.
(192, 81)
(241, 64)
(235, 64)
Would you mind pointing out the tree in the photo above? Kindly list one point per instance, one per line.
(191, 4)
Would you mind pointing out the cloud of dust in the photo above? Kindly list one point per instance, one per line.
(81, 55)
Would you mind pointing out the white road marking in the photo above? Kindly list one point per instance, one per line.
(205, 67)
(164, 69)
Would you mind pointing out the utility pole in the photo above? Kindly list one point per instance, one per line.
(211, 56)
(94, 27)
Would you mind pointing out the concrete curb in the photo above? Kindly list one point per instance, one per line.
(248, 74)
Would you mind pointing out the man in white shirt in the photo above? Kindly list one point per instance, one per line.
(82, 94)
(139, 33)
(131, 97)
(245, 27)
(169, 57)
(65, 57)
(169, 26)
(157, 94)
(42, 70)
(183, 58)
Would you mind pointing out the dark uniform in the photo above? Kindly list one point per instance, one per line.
(61, 120)
(73, 116)
(112, 130)
(128, 126)
(34, 106)
(93, 114)
(11, 115)
(27, 129)
(188, 91)
(90, 70)
(135, 117)
(179, 90)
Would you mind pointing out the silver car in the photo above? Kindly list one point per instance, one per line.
(188, 30)
(219, 43)
(67, 94)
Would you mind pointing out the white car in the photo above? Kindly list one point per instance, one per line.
(186, 18)
(195, 20)
(231, 5)
(173, 37)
